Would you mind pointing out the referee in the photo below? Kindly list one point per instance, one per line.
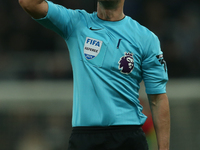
(110, 55)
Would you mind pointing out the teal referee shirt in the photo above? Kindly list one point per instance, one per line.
(109, 60)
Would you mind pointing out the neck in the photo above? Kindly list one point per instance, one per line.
(110, 13)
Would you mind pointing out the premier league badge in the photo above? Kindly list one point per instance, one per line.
(126, 63)
(92, 48)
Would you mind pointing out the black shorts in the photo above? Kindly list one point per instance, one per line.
(108, 138)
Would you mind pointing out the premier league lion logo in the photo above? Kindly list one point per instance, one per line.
(126, 63)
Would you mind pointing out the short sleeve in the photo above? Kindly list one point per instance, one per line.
(60, 19)
(154, 68)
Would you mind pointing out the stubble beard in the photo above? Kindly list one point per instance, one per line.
(109, 4)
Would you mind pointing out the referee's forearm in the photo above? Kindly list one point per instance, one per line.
(35, 8)
(161, 117)
(29, 3)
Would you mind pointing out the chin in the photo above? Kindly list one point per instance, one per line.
(107, 0)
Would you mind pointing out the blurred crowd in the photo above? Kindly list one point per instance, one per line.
(29, 130)
(175, 22)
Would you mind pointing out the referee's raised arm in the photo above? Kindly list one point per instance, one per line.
(36, 8)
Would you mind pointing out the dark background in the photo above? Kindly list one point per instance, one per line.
(35, 71)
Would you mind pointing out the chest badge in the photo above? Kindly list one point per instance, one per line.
(126, 63)
(92, 48)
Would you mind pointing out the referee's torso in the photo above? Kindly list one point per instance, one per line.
(109, 60)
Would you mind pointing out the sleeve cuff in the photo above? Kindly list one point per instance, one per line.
(155, 90)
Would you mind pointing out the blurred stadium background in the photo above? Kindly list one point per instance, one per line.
(36, 76)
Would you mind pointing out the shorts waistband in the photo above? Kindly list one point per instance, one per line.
(98, 129)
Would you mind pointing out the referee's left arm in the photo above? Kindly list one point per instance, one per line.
(159, 105)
